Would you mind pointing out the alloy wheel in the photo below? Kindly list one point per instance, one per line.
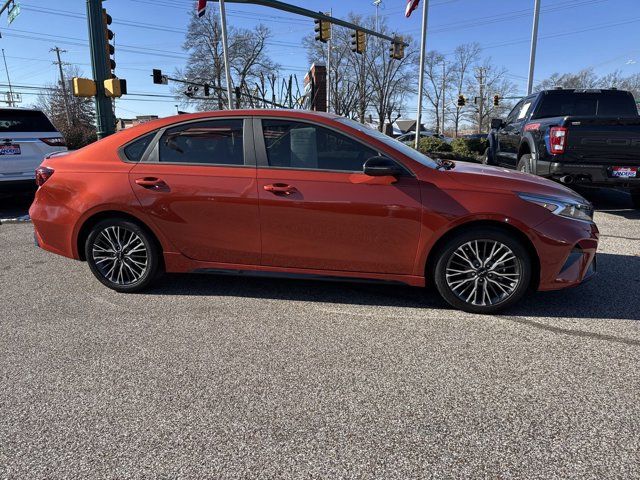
(120, 255)
(483, 272)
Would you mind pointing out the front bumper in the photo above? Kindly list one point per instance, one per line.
(567, 252)
(592, 174)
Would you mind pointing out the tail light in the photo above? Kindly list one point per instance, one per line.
(557, 140)
(54, 142)
(43, 174)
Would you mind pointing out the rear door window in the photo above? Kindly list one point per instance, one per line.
(211, 142)
(24, 121)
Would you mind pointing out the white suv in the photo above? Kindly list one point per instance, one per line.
(26, 137)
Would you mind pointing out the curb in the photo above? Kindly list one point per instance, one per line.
(9, 221)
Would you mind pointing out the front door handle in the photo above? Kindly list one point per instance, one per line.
(280, 189)
(152, 183)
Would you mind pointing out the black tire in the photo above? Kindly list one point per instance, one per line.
(129, 248)
(635, 198)
(524, 164)
(480, 276)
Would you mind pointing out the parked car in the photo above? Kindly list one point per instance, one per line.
(307, 195)
(410, 137)
(476, 136)
(26, 137)
(587, 137)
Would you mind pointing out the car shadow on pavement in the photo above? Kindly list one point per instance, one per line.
(608, 296)
(16, 202)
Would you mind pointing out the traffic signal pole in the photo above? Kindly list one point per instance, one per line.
(225, 52)
(105, 118)
(423, 54)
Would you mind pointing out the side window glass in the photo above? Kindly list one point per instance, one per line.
(522, 113)
(301, 145)
(212, 142)
(516, 110)
(135, 150)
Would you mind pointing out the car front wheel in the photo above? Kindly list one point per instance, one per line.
(482, 270)
(122, 255)
(635, 198)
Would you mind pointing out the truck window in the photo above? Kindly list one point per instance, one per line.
(592, 104)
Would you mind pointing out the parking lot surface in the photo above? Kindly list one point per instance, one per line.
(222, 377)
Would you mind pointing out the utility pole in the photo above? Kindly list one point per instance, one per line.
(534, 43)
(481, 106)
(444, 89)
(63, 83)
(11, 100)
(423, 53)
(106, 120)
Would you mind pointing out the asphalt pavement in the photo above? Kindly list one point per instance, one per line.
(223, 377)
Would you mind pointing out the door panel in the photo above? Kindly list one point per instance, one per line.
(209, 213)
(339, 221)
(198, 184)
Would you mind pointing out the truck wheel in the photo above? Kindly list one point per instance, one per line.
(635, 198)
(524, 165)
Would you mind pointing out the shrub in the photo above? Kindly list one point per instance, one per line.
(433, 144)
(460, 146)
(478, 145)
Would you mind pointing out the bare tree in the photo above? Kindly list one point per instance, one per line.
(81, 130)
(465, 56)
(487, 81)
(248, 59)
(371, 82)
(439, 76)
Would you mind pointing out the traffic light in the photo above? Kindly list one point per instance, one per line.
(496, 100)
(207, 90)
(397, 48)
(159, 78)
(115, 87)
(83, 87)
(358, 42)
(461, 101)
(323, 30)
(108, 36)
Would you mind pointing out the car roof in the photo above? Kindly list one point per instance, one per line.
(20, 109)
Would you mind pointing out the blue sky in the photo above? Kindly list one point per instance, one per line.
(574, 34)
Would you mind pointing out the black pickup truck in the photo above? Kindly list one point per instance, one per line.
(587, 137)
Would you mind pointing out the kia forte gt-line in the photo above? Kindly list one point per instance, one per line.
(307, 195)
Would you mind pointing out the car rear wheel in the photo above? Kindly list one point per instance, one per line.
(482, 270)
(122, 255)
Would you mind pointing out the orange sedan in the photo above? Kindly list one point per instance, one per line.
(302, 194)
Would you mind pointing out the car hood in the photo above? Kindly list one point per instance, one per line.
(498, 178)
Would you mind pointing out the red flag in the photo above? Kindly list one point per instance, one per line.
(202, 7)
(411, 6)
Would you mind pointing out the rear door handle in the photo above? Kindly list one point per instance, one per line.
(280, 189)
(151, 183)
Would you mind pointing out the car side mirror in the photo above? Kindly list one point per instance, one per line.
(382, 167)
(496, 123)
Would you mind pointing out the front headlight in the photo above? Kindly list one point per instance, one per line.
(565, 207)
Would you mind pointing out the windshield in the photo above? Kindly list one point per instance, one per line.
(390, 142)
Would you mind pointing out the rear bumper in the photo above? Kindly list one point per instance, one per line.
(590, 174)
(567, 252)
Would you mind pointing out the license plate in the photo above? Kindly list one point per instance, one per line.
(624, 172)
(9, 149)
